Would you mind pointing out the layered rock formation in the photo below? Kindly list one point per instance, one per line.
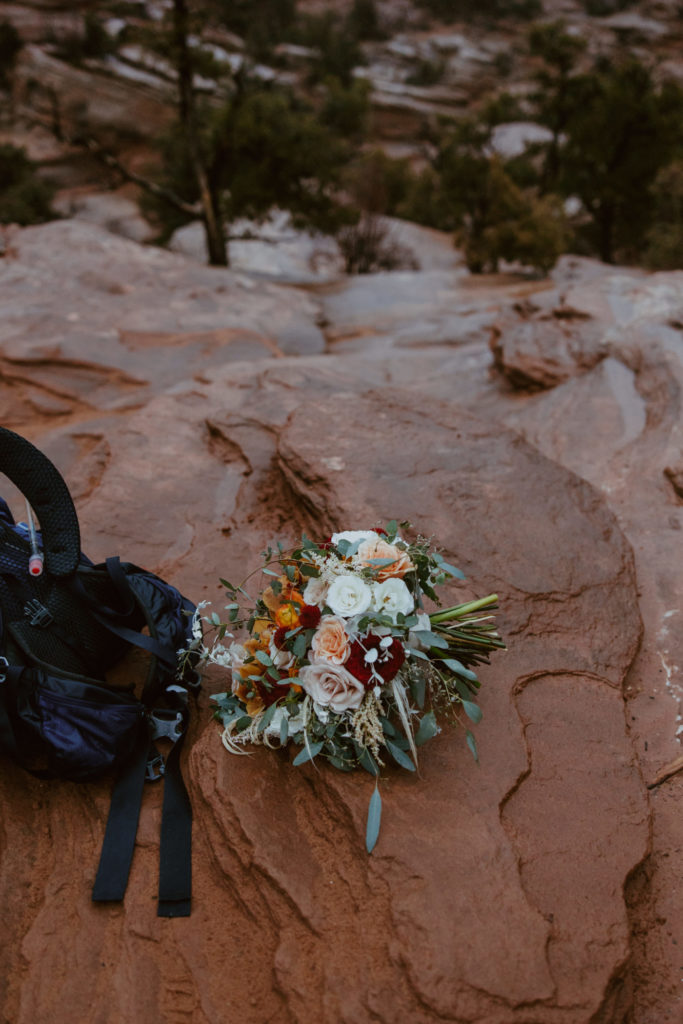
(197, 414)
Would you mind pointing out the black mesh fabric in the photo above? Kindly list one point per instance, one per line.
(40, 482)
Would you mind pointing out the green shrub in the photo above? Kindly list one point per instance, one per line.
(507, 224)
(665, 236)
(24, 198)
(367, 247)
(363, 21)
(346, 108)
(93, 43)
(428, 72)
(10, 47)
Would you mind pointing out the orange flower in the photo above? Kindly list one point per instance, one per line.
(254, 705)
(288, 612)
(376, 549)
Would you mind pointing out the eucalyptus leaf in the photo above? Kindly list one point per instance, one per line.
(366, 760)
(243, 723)
(307, 754)
(387, 727)
(338, 762)
(414, 653)
(458, 573)
(266, 718)
(431, 639)
(472, 745)
(473, 711)
(374, 820)
(284, 730)
(428, 728)
(456, 666)
(417, 687)
(300, 646)
(263, 658)
(309, 570)
(463, 689)
(399, 756)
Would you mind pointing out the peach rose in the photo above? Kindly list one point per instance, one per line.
(332, 686)
(371, 549)
(330, 641)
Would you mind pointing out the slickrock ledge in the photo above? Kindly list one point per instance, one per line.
(522, 890)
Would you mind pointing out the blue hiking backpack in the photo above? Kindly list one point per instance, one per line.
(64, 623)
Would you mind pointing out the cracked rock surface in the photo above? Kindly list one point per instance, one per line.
(537, 887)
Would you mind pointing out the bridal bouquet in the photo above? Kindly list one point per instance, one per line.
(339, 656)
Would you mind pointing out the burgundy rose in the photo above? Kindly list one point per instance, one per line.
(309, 616)
(279, 637)
(386, 664)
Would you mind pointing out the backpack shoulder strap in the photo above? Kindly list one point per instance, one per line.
(44, 487)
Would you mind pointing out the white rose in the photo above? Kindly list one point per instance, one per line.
(294, 724)
(349, 595)
(280, 658)
(392, 597)
(353, 535)
(238, 655)
(332, 686)
(315, 591)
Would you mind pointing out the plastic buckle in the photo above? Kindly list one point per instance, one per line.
(167, 724)
(155, 769)
(5, 664)
(37, 613)
(177, 694)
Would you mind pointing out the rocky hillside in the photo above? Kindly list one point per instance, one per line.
(534, 428)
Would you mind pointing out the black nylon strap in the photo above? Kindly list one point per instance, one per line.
(42, 483)
(122, 826)
(8, 743)
(132, 636)
(175, 851)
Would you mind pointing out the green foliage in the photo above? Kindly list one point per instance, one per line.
(665, 235)
(378, 183)
(467, 10)
(426, 203)
(493, 218)
(502, 109)
(346, 108)
(603, 8)
(367, 247)
(428, 72)
(614, 128)
(508, 224)
(261, 23)
(92, 43)
(262, 148)
(24, 198)
(622, 130)
(363, 20)
(10, 47)
(338, 52)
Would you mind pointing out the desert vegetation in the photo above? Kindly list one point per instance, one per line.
(251, 134)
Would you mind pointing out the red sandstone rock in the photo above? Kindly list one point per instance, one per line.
(541, 349)
(512, 892)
